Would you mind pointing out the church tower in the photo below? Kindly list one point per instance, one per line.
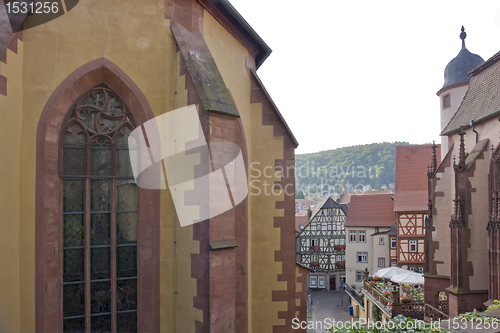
(456, 83)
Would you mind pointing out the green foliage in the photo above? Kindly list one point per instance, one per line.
(376, 313)
(345, 169)
(399, 324)
(496, 305)
(476, 317)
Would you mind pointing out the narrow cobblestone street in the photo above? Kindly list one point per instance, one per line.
(328, 304)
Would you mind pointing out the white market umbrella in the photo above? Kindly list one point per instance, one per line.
(388, 273)
(413, 278)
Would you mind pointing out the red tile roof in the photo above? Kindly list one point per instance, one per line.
(410, 193)
(371, 211)
(346, 198)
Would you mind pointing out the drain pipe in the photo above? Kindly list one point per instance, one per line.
(473, 130)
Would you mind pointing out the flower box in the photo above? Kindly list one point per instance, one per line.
(406, 299)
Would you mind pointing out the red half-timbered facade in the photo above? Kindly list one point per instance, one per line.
(410, 205)
(411, 241)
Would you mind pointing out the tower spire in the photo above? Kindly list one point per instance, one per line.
(461, 155)
(463, 35)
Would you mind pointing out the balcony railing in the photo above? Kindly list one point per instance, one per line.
(378, 295)
(414, 309)
(433, 314)
(443, 306)
(354, 294)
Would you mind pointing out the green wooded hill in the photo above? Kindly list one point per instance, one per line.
(345, 169)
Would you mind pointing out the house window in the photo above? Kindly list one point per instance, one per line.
(393, 242)
(313, 282)
(314, 258)
(342, 241)
(394, 264)
(381, 241)
(446, 101)
(329, 227)
(381, 262)
(362, 256)
(321, 281)
(334, 226)
(329, 212)
(318, 226)
(314, 242)
(359, 276)
(352, 236)
(413, 246)
(362, 236)
(417, 269)
(337, 241)
(99, 265)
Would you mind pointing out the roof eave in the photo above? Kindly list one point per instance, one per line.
(245, 29)
(488, 63)
(467, 126)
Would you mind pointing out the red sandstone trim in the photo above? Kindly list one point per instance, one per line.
(48, 217)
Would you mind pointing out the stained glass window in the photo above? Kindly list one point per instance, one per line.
(99, 215)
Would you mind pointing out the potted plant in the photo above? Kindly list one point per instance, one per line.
(387, 294)
(406, 299)
(315, 264)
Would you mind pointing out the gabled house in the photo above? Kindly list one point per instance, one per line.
(410, 204)
(367, 225)
(320, 246)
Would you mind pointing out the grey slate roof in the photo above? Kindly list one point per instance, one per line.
(457, 69)
(482, 99)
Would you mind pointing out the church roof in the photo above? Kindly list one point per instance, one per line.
(458, 68)
(229, 13)
(371, 211)
(482, 100)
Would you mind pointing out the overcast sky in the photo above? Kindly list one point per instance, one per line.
(345, 73)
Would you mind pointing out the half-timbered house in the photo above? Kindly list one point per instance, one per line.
(321, 245)
(410, 204)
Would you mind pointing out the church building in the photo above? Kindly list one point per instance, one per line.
(462, 223)
(84, 247)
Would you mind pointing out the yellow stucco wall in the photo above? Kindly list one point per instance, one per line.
(133, 35)
(136, 37)
(11, 111)
(264, 149)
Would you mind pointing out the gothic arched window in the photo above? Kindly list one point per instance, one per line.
(99, 215)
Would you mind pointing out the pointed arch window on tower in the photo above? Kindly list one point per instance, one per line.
(99, 215)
